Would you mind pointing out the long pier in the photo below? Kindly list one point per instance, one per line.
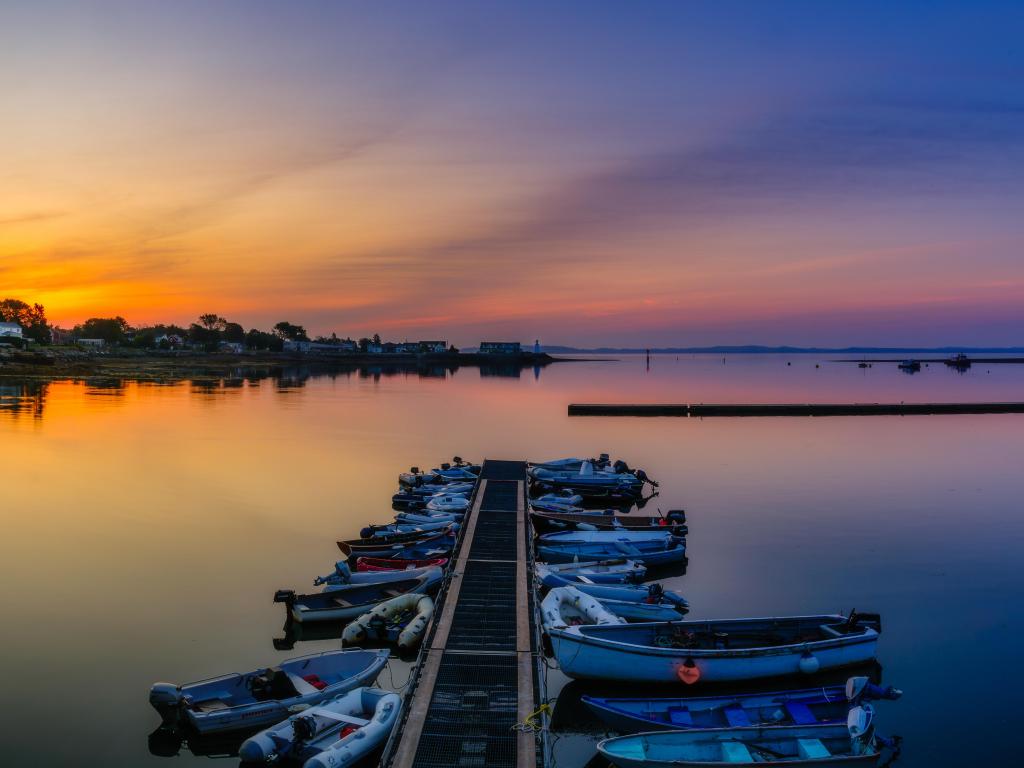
(477, 675)
(790, 409)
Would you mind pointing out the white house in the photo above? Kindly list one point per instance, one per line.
(94, 343)
(11, 330)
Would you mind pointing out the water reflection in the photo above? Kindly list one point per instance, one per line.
(23, 399)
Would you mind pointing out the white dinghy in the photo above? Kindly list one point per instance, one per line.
(337, 733)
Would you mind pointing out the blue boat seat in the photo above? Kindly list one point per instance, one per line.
(737, 716)
(736, 752)
(680, 716)
(811, 749)
(801, 713)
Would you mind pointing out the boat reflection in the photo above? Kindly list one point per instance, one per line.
(167, 741)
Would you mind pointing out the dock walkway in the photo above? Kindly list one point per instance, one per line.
(477, 676)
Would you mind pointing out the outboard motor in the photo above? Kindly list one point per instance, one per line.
(860, 689)
(304, 727)
(603, 460)
(620, 467)
(445, 466)
(342, 575)
(655, 593)
(166, 699)
(860, 722)
(677, 516)
(367, 532)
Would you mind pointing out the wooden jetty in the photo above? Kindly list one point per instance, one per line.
(477, 676)
(790, 409)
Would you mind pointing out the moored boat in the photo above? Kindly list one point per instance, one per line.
(346, 602)
(812, 706)
(567, 607)
(448, 503)
(651, 594)
(338, 732)
(553, 522)
(851, 743)
(376, 564)
(588, 480)
(658, 547)
(617, 570)
(343, 576)
(711, 651)
(439, 540)
(401, 620)
(263, 697)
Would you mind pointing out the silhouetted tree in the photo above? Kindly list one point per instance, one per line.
(113, 330)
(286, 330)
(32, 319)
(233, 332)
(211, 321)
(255, 339)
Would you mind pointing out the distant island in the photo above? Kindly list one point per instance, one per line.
(753, 349)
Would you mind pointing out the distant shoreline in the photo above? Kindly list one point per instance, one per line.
(166, 365)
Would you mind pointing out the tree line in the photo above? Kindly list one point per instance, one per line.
(209, 330)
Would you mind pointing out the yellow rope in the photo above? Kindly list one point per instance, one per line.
(529, 725)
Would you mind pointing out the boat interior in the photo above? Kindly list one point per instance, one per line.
(752, 633)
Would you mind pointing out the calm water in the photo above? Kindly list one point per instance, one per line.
(147, 527)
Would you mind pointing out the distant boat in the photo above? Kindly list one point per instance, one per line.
(960, 361)
(852, 743)
(265, 696)
(712, 651)
(910, 366)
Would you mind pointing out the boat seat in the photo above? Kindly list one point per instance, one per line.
(302, 687)
(801, 713)
(737, 716)
(736, 752)
(812, 749)
(210, 705)
(830, 631)
(680, 716)
(341, 602)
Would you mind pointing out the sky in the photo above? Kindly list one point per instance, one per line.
(630, 174)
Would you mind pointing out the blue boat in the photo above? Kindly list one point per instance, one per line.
(614, 571)
(812, 706)
(650, 548)
(853, 743)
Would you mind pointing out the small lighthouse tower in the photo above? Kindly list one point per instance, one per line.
(536, 346)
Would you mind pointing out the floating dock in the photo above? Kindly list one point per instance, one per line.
(478, 673)
(791, 409)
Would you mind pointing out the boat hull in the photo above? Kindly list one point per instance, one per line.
(634, 715)
(672, 749)
(585, 654)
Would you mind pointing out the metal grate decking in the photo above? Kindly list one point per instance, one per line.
(476, 678)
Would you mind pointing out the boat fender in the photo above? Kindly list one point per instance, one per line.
(809, 663)
(688, 672)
